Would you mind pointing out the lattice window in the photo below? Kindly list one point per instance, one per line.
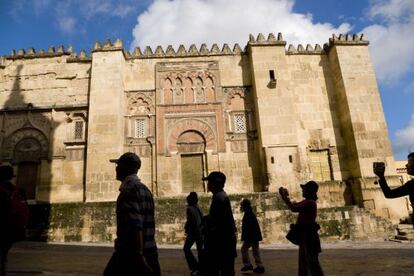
(240, 123)
(140, 128)
(78, 134)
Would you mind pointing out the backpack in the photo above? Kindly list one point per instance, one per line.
(19, 214)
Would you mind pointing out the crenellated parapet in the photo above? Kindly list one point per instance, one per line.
(346, 39)
(192, 51)
(308, 50)
(269, 41)
(31, 53)
(181, 51)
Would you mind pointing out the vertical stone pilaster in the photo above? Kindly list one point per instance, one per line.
(274, 105)
(106, 124)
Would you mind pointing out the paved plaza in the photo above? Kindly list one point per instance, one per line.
(345, 258)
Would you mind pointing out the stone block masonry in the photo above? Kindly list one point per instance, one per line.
(96, 222)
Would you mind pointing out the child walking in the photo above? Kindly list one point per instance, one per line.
(251, 236)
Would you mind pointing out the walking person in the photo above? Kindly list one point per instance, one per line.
(220, 243)
(251, 236)
(404, 190)
(135, 247)
(193, 230)
(305, 231)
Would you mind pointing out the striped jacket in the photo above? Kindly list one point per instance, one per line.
(135, 211)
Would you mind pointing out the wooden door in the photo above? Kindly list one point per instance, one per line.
(27, 178)
(192, 172)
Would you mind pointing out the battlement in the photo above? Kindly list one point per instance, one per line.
(193, 51)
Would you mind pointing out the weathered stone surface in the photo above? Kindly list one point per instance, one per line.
(266, 116)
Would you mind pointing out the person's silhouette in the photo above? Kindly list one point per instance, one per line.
(135, 248)
(220, 244)
(194, 234)
(404, 190)
(306, 229)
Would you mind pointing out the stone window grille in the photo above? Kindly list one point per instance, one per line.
(140, 126)
(240, 123)
(78, 133)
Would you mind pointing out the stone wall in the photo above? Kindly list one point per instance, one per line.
(95, 222)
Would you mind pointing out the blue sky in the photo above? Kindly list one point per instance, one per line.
(388, 24)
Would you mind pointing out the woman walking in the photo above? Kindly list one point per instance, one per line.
(305, 231)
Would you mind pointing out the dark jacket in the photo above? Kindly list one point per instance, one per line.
(6, 189)
(250, 228)
(193, 225)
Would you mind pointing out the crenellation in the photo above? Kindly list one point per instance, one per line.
(237, 49)
(215, 50)
(118, 43)
(31, 51)
(292, 49)
(318, 48)
(226, 50)
(60, 49)
(148, 52)
(137, 52)
(309, 48)
(170, 51)
(97, 46)
(107, 44)
(260, 38)
(70, 49)
(51, 50)
(251, 38)
(82, 54)
(279, 37)
(193, 51)
(204, 50)
(300, 48)
(159, 52)
(181, 51)
(21, 52)
(271, 37)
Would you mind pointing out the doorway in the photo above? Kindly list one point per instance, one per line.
(27, 178)
(192, 173)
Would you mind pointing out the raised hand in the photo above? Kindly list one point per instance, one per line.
(379, 168)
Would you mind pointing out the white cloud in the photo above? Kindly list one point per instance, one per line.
(66, 24)
(392, 41)
(200, 21)
(405, 138)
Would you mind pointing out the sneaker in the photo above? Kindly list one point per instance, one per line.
(246, 268)
(259, 269)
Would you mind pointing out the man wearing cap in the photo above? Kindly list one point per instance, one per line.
(135, 247)
(6, 239)
(221, 229)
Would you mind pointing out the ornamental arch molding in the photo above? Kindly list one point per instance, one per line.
(25, 144)
(187, 126)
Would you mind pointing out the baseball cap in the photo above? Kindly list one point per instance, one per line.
(311, 186)
(129, 158)
(216, 176)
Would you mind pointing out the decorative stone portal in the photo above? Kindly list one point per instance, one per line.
(191, 146)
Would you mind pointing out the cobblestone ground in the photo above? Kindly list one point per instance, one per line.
(385, 258)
